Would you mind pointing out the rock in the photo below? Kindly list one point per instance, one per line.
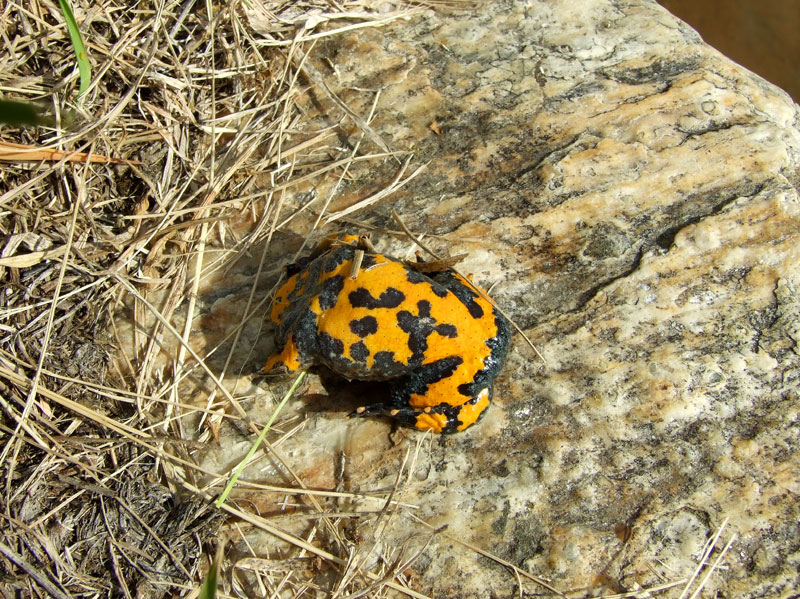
(630, 196)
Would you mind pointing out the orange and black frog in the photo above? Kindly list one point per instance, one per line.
(430, 334)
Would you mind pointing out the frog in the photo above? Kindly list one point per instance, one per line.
(428, 331)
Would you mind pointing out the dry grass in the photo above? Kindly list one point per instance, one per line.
(98, 496)
(196, 104)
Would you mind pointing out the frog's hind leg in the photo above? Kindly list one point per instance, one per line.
(428, 399)
(298, 345)
(288, 358)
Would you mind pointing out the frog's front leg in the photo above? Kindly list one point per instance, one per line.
(439, 419)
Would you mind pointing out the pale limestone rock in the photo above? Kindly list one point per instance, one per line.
(630, 196)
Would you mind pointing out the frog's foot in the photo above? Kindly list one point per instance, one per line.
(443, 418)
(438, 419)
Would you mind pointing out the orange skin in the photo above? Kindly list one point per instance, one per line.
(438, 341)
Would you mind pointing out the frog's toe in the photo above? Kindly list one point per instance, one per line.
(376, 409)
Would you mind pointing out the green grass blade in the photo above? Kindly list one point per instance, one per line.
(263, 434)
(209, 588)
(77, 44)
